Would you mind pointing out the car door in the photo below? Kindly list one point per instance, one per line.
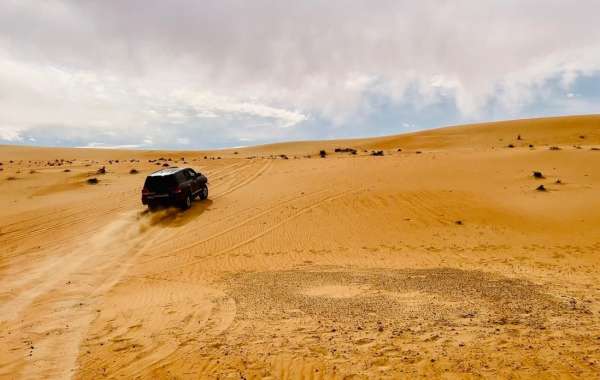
(191, 177)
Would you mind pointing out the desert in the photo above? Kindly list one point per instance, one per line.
(441, 257)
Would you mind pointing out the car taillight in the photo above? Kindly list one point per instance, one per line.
(177, 190)
(145, 191)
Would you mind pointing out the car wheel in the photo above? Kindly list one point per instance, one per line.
(203, 194)
(187, 202)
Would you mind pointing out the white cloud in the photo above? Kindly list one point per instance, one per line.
(221, 66)
(10, 134)
(99, 145)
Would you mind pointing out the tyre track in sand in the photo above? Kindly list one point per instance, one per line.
(287, 219)
(184, 233)
(234, 227)
(56, 299)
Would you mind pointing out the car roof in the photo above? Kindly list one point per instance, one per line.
(166, 172)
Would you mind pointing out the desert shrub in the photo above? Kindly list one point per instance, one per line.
(92, 181)
(541, 188)
(510, 146)
(538, 175)
(67, 170)
(377, 153)
(554, 148)
(345, 150)
(165, 164)
(11, 178)
(133, 171)
(283, 156)
(102, 170)
(322, 153)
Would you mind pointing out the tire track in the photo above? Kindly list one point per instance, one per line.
(97, 267)
(263, 233)
(247, 181)
(241, 224)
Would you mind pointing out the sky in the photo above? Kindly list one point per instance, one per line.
(210, 74)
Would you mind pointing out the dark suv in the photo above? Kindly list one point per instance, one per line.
(174, 186)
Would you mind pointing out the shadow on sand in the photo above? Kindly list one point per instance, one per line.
(175, 217)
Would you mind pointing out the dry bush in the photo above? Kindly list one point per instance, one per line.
(345, 150)
(92, 181)
(322, 153)
(377, 153)
(538, 175)
(133, 171)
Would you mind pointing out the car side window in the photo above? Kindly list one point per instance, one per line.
(190, 173)
(180, 177)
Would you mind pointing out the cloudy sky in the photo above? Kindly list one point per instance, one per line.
(207, 74)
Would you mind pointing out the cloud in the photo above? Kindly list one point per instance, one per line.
(10, 134)
(284, 69)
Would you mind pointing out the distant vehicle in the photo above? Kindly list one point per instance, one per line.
(174, 186)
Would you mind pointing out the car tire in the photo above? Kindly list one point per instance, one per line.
(187, 202)
(203, 193)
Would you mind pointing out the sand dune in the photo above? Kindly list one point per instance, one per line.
(443, 264)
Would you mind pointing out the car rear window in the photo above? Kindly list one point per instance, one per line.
(160, 184)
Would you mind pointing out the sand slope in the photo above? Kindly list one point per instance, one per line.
(445, 263)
